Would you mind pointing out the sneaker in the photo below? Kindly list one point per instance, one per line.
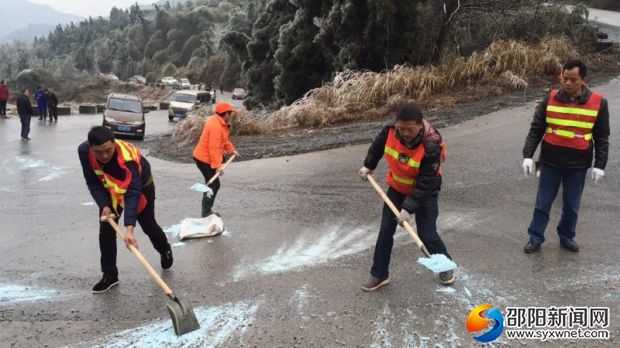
(447, 277)
(531, 247)
(373, 283)
(107, 282)
(569, 245)
(166, 258)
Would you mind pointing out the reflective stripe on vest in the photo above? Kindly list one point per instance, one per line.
(574, 111)
(568, 134)
(402, 180)
(390, 151)
(571, 125)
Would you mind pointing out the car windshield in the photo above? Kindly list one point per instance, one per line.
(125, 105)
(183, 98)
(185, 80)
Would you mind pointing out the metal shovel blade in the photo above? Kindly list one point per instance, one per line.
(183, 317)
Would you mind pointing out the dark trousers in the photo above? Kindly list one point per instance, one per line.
(42, 112)
(573, 181)
(426, 224)
(146, 219)
(208, 173)
(53, 112)
(25, 120)
(2, 108)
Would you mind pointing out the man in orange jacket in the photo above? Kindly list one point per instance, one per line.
(210, 150)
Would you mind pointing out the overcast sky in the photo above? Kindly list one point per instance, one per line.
(91, 8)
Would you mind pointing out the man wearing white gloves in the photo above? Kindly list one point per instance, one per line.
(573, 124)
(414, 151)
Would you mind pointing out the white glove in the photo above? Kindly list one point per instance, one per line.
(528, 167)
(404, 216)
(364, 173)
(597, 174)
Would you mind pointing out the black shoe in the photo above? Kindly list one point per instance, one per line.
(447, 277)
(373, 283)
(569, 245)
(166, 258)
(105, 283)
(531, 247)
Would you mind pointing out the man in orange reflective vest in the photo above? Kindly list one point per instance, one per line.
(414, 151)
(209, 152)
(572, 123)
(119, 178)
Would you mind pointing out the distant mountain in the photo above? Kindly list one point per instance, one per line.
(28, 34)
(24, 20)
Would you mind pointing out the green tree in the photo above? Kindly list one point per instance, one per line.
(260, 69)
(169, 70)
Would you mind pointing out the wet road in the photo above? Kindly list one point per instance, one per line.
(300, 237)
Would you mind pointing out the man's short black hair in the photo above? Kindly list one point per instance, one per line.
(576, 63)
(99, 135)
(409, 112)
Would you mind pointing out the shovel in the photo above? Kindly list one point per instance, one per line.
(437, 262)
(181, 311)
(205, 188)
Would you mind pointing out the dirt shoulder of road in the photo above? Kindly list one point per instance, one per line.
(462, 106)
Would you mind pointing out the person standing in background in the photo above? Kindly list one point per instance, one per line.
(52, 106)
(4, 97)
(24, 109)
(41, 97)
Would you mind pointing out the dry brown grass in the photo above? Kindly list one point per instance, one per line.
(354, 95)
(365, 95)
(188, 130)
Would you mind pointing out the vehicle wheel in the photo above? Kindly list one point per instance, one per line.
(140, 137)
(170, 118)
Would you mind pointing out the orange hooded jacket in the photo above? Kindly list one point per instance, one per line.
(213, 142)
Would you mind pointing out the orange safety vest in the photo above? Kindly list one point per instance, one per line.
(571, 125)
(125, 152)
(404, 163)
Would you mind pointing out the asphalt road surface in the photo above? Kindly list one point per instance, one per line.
(299, 242)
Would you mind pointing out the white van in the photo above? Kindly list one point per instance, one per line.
(182, 102)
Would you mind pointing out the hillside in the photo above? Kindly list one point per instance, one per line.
(21, 17)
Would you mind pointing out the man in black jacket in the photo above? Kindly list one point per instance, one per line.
(119, 178)
(573, 123)
(414, 151)
(52, 106)
(24, 109)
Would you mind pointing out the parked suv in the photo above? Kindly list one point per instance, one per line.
(170, 81)
(124, 115)
(182, 102)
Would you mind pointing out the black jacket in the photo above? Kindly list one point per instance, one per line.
(564, 157)
(101, 195)
(52, 100)
(24, 108)
(429, 180)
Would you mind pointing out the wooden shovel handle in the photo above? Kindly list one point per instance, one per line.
(138, 254)
(217, 175)
(406, 224)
